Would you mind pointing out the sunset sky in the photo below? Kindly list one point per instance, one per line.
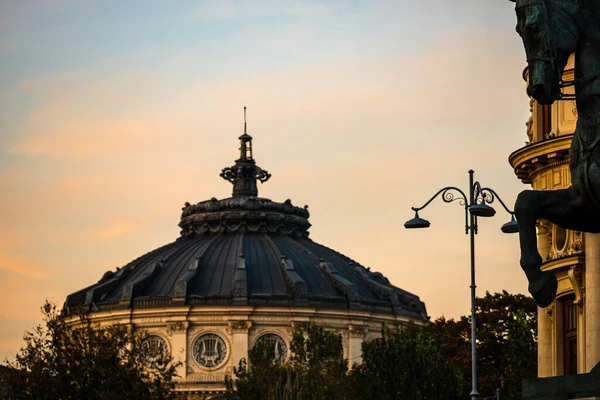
(113, 114)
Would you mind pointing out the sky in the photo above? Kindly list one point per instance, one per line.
(113, 114)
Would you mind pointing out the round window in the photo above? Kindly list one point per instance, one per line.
(279, 346)
(560, 238)
(154, 349)
(209, 350)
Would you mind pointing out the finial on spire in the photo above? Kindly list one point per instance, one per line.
(245, 142)
(245, 172)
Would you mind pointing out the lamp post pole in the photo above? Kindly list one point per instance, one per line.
(472, 231)
(475, 206)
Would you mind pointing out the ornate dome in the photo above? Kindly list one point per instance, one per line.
(246, 250)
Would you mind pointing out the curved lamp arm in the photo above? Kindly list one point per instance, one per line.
(447, 196)
(490, 195)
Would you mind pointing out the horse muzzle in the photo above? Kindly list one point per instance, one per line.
(543, 94)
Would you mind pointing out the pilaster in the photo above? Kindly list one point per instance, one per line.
(592, 300)
(544, 343)
(177, 332)
(239, 333)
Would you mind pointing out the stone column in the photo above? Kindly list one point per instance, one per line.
(592, 300)
(177, 332)
(239, 341)
(545, 331)
(544, 343)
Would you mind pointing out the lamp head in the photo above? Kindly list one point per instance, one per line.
(482, 210)
(511, 226)
(417, 222)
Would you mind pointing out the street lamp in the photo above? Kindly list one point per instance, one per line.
(475, 206)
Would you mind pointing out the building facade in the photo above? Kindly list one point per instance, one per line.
(243, 270)
(568, 329)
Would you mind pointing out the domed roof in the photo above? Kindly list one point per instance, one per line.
(246, 250)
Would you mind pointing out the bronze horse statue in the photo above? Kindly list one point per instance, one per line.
(551, 31)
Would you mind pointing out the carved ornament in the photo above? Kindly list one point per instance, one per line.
(239, 326)
(358, 330)
(575, 274)
(176, 327)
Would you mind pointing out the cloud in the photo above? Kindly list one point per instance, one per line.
(21, 267)
(112, 230)
(419, 93)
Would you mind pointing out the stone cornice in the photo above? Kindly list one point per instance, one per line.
(563, 263)
(530, 160)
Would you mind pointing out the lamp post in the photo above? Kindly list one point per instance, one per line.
(475, 206)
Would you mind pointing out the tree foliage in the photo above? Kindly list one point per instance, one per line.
(417, 363)
(405, 363)
(62, 360)
(506, 343)
(316, 369)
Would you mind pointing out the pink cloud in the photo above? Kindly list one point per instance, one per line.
(21, 267)
(112, 230)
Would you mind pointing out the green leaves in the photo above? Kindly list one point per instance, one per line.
(405, 363)
(316, 370)
(79, 359)
(506, 343)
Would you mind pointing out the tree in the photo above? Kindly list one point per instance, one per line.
(316, 369)
(265, 378)
(418, 363)
(405, 363)
(521, 354)
(63, 360)
(506, 343)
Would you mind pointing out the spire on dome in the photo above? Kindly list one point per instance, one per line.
(245, 172)
(245, 142)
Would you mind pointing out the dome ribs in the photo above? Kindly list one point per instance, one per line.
(304, 263)
(342, 264)
(295, 284)
(374, 283)
(239, 292)
(173, 264)
(186, 279)
(227, 269)
(341, 283)
(331, 273)
(219, 268)
(383, 291)
(99, 291)
(266, 280)
(108, 283)
(136, 286)
(136, 269)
